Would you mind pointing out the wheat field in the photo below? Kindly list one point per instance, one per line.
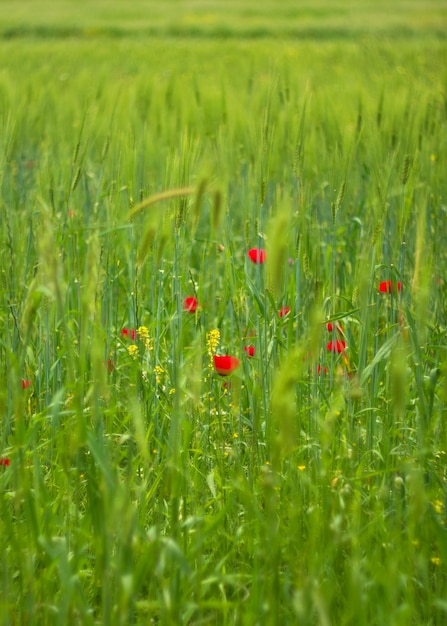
(224, 313)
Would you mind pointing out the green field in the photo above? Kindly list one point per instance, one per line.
(225, 18)
(147, 156)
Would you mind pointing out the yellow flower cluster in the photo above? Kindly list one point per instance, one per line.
(133, 351)
(143, 332)
(143, 335)
(158, 371)
(212, 342)
(438, 506)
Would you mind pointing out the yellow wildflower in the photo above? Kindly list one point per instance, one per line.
(133, 351)
(212, 342)
(143, 335)
(158, 371)
(143, 332)
(438, 506)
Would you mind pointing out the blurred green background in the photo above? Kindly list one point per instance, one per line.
(250, 18)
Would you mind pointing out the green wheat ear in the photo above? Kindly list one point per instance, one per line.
(201, 189)
(263, 191)
(376, 233)
(147, 242)
(340, 197)
(180, 215)
(217, 209)
(159, 197)
(306, 266)
(31, 306)
(76, 178)
(405, 170)
(284, 430)
(277, 251)
(105, 149)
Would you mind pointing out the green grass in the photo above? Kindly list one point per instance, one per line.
(309, 486)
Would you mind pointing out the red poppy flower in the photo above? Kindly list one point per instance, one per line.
(330, 326)
(250, 350)
(190, 304)
(336, 346)
(4, 462)
(225, 365)
(129, 332)
(322, 370)
(256, 255)
(388, 286)
(25, 383)
(283, 311)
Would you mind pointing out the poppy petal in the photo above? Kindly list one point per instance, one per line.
(330, 326)
(336, 346)
(388, 286)
(283, 311)
(225, 365)
(190, 304)
(256, 255)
